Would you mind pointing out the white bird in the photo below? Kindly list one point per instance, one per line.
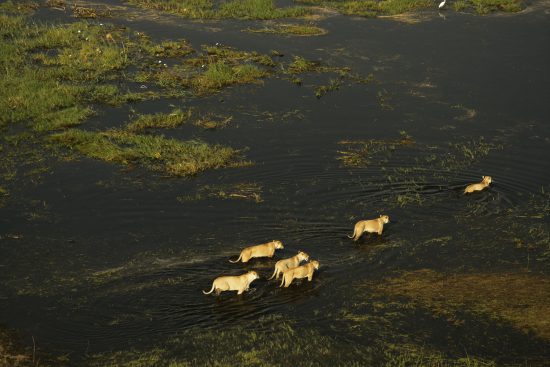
(442, 4)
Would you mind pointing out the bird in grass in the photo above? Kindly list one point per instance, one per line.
(442, 4)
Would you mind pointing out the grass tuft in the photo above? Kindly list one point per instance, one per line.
(159, 121)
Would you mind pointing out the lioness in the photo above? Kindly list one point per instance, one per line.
(304, 271)
(239, 283)
(263, 250)
(486, 180)
(294, 261)
(372, 225)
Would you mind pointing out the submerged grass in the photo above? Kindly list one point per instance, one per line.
(411, 168)
(290, 30)
(520, 299)
(281, 343)
(243, 191)
(213, 121)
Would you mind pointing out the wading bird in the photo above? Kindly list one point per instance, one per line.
(442, 4)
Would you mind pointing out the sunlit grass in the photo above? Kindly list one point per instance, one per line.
(236, 9)
(518, 298)
(159, 120)
(220, 74)
(173, 157)
(373, 8)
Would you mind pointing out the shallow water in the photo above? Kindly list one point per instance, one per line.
(116, 262)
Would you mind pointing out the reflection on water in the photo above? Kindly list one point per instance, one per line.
(125, 261)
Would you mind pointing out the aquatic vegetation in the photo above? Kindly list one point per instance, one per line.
(159, 120)
(52, 74)
(520, 299)
(361, 153)
(180, 48)
(447, 158)
(245, 191)
(333, 84)
(290, 30)
(301, 65)
(234, 9)
(60, 4)
(89, 12)
(213, 121)
(220, 74)
(173, 157)
(408, 166)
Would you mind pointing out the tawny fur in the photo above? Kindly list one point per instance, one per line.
(263, 250)
(372, 225)
(486, 180)
(289, 263)
(304, 271)
(239, 283)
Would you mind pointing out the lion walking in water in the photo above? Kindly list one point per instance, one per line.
(372, 225)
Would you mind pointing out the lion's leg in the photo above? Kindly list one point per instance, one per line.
(240, 291)
(288, 280)
(246, 257)
(309, 277)
(218, 291)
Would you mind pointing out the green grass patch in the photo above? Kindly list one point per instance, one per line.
(170, 156)
(220, 74)
(257, 9)
(373, 8)
(159, 121)
(300, 65)
(489, 6)
(232, 9)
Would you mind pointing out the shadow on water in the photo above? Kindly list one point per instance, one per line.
(117, 261)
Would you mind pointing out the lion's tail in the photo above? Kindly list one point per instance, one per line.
(353, 235)
(239, 259)
(274, 273)
(212, 290)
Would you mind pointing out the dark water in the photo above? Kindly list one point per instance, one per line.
(116, 261)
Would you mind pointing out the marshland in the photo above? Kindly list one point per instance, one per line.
(144, 143)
